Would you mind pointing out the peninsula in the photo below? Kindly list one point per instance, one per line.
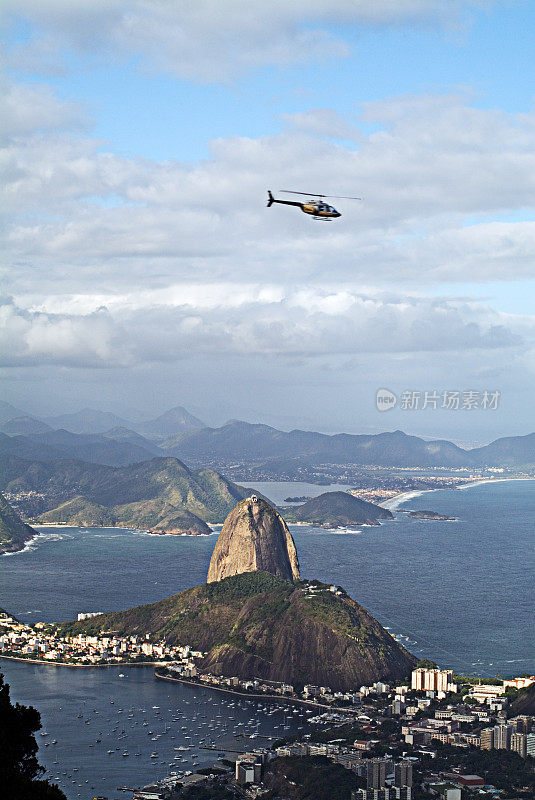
(256, 618)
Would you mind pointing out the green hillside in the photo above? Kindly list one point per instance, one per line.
(258, 625)
(337, 509)
(160, 493)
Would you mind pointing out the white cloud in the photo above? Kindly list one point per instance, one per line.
(33, 109)
(324, 122)
(80, 214)
(270, 320)
(40, 338)
(218, 39)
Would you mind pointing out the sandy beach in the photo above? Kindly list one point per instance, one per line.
(394, 502)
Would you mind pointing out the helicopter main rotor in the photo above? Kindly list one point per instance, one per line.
(313, 194)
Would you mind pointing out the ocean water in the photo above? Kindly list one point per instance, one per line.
(458, 592)
(462, 592)
(151, 727)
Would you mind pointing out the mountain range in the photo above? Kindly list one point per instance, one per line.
(108, 439)
(255, 443)
(15, 421)
(161, 493)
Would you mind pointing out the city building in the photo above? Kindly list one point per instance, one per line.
(502, 737)
(403, 774)
(485, 692)
(377, 770)
(432, 680)
(487, 739)
(518, 744)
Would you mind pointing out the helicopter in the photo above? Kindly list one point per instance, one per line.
(318, 209)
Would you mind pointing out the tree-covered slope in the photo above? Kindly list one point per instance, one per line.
(259, 625)
(148, 494)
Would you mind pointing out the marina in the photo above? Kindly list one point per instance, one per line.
(108, 731)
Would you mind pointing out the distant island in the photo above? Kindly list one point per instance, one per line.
(337, 510)
(302, 499)
(429, 515)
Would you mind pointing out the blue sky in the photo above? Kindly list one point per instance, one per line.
(140, 140)
(487, 53)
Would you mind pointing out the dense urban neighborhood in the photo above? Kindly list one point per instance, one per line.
(434, 735)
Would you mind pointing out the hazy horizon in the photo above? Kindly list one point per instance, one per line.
(214, 420)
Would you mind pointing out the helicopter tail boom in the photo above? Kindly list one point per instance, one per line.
(272, 200)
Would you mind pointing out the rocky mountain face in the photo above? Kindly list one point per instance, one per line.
(254, 537)
(259, 625)
(13, 531)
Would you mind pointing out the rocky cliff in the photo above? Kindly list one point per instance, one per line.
(254, 537)
(14, 533)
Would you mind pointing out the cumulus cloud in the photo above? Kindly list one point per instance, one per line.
(215, 39)
(270, 320)
(34, 109)
(432, 180)
(33, 339)
(324, 122)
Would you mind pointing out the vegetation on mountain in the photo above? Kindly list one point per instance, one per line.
(422, 514)
(250, 442)
(305, 777)
(337, 509)
(80, 511)
(13, 531)
(524, 703)
(20, 772)
(508, 451)
(151, 494)
(259, 625)
(503, 769)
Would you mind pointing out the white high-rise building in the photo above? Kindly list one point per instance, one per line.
(432, 680)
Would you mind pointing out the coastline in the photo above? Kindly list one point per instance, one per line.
(403, 497)
(85, 666)
(64, 527)
(392, 504)
(279, 698)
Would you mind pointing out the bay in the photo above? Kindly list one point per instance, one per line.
(461, 592)
(458, 592)
(114, 731)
